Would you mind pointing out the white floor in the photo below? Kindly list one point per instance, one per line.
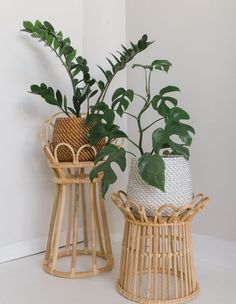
(24, 282)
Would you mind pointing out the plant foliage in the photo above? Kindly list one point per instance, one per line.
(173, 137)
(84, 86)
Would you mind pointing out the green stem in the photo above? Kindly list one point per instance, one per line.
(131, 153)
(140, 97)
(103, 93)
(145, 107)
(132, 142)
(131, 115)
(152, 124)
(87, 106)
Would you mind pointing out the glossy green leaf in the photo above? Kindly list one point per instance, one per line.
(152, 170)
(111, 154)
(121, 100)
(59, 98)
(169, 89)
(28, 25)
(179, 114)
(161, 65)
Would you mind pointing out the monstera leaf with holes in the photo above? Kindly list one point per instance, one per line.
(102, 121)
(159, 64)
(160, 101)
(112, 154)
(161, 137)
(121, 100)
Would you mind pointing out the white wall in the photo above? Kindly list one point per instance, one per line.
(104, 31)
(199, 38)
(26, 188)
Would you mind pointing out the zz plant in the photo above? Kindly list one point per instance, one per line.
(84, 86)
(172, 137)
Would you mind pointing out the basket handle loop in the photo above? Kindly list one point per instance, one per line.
(81, 149)
(65, 145)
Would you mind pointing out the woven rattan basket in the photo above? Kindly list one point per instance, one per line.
(72, 131)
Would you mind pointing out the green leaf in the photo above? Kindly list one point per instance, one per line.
(169, 89)
(156, 100)
(71, 56)
(159, 102)
(35, 89)
(28, 25)
(126, 56)
(102, 130)
(101, 112)
(55, 43)
(121, 100)
(152, 170)
(59, 98)
(177, 113)
(179, 149)
(146, 67)
(49, 38)
(65, 104)
(38, 25)
(49, 26)
(113, 154)
(72, 110)
(161, 64)
(159, 138)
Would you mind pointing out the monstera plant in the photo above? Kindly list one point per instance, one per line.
(72, 129)
(169, 140)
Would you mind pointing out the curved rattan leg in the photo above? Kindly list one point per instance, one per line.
(58, 227)
(51, 226)
(106, 234)
(157, 265)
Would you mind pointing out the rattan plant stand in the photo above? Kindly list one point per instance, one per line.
(156, 259)
(78, 226)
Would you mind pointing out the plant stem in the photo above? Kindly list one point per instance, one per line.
(131, 115)
(132, 142)
(131, 153)
(140, 96)
(152, 123)
(145, 107)
(87, 106)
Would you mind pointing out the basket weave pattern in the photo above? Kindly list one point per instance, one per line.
(157, 265)
(178, 186)
(73, 131)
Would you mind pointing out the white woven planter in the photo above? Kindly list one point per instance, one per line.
(178, 186)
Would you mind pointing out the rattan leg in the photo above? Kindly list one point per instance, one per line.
(157, 264)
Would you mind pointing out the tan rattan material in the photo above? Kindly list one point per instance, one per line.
(76, 217)
(157, 264)
(73, 131)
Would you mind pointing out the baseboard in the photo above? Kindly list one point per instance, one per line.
(25, 248)
(206, 248)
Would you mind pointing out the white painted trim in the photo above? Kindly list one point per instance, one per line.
(206, 248)
(25, 248)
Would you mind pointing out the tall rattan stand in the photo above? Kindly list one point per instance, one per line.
(157, 263)
(78, 226)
